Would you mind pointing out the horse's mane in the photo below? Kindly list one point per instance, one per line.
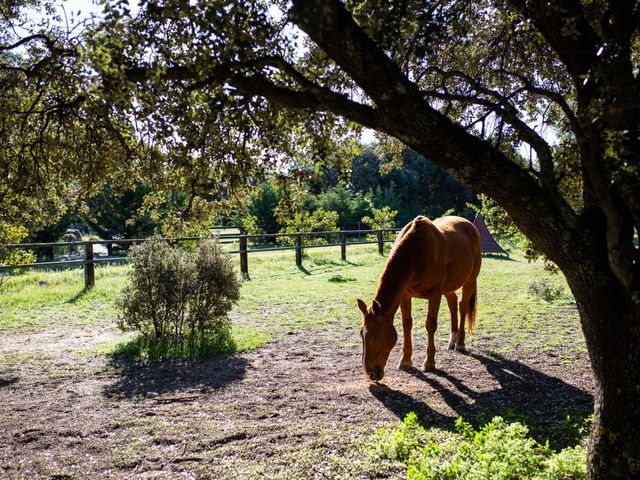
(398, 267)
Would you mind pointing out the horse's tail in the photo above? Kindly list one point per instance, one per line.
(471, 312)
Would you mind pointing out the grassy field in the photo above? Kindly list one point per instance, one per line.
(293, 403)
(321, 293)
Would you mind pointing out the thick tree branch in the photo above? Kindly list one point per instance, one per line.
(408, 117)
(49, 42)
(319, 98)
(507, 111)
(247, 79)
(509, 114)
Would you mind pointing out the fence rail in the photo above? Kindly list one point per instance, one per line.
(89, 260)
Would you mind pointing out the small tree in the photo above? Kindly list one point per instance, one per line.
(179, 301)
(318, 221)
(382, 218)
(13, 234)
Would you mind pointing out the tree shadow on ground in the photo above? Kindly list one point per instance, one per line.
(142, 378)
(523, 394)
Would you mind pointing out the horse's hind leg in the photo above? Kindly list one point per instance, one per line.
(468, 291)
(407, 334)
(452, 301)
(432, 324)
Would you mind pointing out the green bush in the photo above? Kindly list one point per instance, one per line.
(383, 218)
(179, 301)
(545, 289)
(13, 234)
(499, 451)
(318, 221)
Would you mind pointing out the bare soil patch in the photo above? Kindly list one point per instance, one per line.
(297, 408)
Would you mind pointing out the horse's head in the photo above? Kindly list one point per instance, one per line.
(378, 339)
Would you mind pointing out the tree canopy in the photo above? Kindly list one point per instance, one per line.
(534, 103)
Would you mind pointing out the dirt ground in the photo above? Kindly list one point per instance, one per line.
(296, 408)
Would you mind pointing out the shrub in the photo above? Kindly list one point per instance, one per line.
(546, 290)
(318, 221)
(250, 224)
(382, 218)
(13, 234)
(499, 450)
(179, 301)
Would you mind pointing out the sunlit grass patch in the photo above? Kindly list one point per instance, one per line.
(43, 298)
(279, 298)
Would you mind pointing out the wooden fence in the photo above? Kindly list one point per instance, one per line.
(89, 260)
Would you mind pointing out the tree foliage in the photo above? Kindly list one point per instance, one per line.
(319, 220)
(13, 234)
(383, 218)
(200, 96)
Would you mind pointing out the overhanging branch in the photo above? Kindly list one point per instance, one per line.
(405, 115)
(247, 79)
(509, 114)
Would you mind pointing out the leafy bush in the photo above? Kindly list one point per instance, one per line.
(179, 301)
(260, 214)
(545, 289)
(250, 224)
(318, 221)
(13, 234)
(382, 218)
(574, 427)
(350, 206)
(499, 450)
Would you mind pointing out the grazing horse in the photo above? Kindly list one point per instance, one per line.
(428, 260)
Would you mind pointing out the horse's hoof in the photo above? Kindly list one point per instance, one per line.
(405, 365)
(429, 367)
(452, 345)
(461, 349)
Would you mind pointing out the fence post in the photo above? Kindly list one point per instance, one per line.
(244, 257)
(89, 267)
(380, 244)
(343, 247)
(298, 250)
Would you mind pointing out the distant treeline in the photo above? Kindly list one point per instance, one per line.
(416, 187)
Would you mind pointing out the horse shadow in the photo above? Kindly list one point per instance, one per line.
(523, 394)
(140, 379)
(401, 404)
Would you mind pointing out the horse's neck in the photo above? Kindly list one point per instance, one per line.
(392, 284)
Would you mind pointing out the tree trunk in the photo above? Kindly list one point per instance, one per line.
(611, 324)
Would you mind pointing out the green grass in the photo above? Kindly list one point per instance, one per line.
(279, 298)
(39, 299)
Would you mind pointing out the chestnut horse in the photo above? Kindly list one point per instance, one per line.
(428, 260)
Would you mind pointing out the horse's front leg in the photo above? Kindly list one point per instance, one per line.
(407, 334)
(432, 324)
(452, 301)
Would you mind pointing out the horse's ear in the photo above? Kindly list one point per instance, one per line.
(375, 307)
(363, 307)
